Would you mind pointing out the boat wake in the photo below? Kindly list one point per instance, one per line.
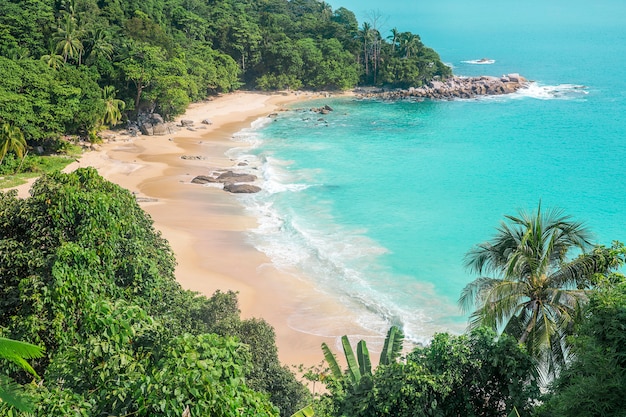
(482, 61)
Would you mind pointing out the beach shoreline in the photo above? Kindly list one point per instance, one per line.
(206, 226)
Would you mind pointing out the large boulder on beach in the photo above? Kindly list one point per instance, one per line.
(203, 179)
(241, 188)
(146, 129)
(160, 129)
(234, 177)
(186, 123)
(156, 118)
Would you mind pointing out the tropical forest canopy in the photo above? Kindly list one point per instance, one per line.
(66, 64)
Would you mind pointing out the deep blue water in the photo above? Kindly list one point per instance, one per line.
(377, 203)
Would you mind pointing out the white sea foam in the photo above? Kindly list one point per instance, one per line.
(553, 92)
(482, 61)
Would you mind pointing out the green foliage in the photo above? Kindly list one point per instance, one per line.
(330, 358)
(11, 140)
(473, 375)
(352, 390)
(304, 412)
(45, 103)
(392, 346)
(537, 294)
(221, 314)
(594, 383)
(84, 274)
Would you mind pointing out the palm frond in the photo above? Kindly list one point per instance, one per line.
(13, 394)
(17, 352)
(497, 303)
(471, 294)
(580, 271)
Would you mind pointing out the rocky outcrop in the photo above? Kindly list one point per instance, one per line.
(150, 124)
(458, 87)
(322, 110)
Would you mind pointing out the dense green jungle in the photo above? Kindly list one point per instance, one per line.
(92, 319)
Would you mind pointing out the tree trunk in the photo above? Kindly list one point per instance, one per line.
(21, 162)
(531, 324)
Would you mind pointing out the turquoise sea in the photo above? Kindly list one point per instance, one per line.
(378, 202)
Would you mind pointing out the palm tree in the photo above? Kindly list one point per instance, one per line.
(395, 36)
(52, 59)
(17, 352)
(365, 35)
(11, 139)
(68, 40)
(410, 43)
(98, 45)
(114, 107)
(538, 293)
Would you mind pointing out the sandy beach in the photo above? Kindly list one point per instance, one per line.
(206, 226)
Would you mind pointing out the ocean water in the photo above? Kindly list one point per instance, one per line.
(377, 202)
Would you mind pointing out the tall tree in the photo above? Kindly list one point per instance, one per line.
(409, 44)
(68, 41)
(394, 37)
(114, 106)
(536, 295)
(142, 66)
(52, 59)
(98, 44)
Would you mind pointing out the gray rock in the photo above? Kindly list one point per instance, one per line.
(241, 188)
(234, 177)
(186, 123)
(203, 179)
(160, 129)
(146, 129)
(207, 122)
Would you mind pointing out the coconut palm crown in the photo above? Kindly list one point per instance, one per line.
(536, 293)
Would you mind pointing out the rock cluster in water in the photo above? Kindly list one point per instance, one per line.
(457, 87)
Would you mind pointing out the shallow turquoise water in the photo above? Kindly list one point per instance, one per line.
(377, 203)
